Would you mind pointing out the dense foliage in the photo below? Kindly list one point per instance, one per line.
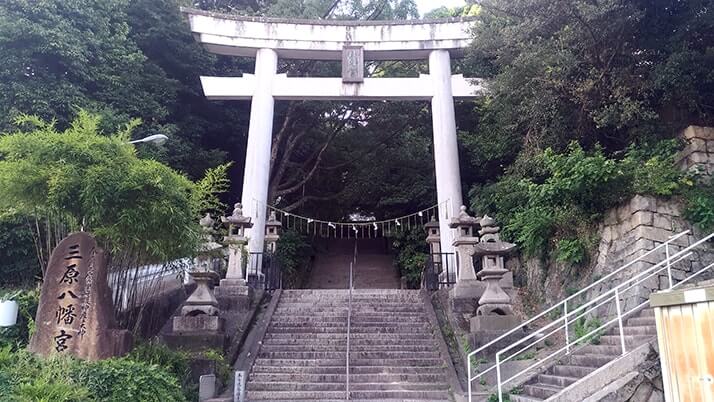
(579, 92)
(553, 203)
(97, 182)
(411, 254)
(24, 377)
(17, 251)
(293, 254)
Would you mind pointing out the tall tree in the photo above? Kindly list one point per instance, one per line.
(608, 72)
(63, 55)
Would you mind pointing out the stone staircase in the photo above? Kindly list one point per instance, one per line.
(585, 360)
(393, 353)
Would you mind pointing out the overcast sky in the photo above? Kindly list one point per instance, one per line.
(427, 5)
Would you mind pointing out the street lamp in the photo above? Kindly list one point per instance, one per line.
(157, 139)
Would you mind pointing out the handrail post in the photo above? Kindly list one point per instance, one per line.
(567, 335)
(470, 378)
(349, 324)
(498, 376)
(619, 320)
(669, 265)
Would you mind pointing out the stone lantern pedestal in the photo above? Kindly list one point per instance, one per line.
(199, 327)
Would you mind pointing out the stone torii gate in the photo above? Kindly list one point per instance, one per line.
(353, 42)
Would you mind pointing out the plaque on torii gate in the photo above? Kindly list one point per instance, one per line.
(352, 42)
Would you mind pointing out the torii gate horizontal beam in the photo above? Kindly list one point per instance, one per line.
(311, 88)
(324, 39)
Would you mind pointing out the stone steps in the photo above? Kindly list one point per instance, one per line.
(356, 400)
(586, 359)
(360, 370)
(354, 355)
(283, 396)
(354, 378)
(337, 341)
(316, 347)
(340, 386)
(393, 353)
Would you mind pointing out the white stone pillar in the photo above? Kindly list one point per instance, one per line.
(260, 138)
(446, 152)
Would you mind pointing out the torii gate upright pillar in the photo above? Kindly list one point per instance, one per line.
(446, 151)
(256, 178)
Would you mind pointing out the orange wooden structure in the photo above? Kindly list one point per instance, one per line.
(685, 334)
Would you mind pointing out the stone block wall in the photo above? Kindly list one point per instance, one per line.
(698, 155)
(632, 230)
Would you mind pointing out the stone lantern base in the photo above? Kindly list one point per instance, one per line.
(485, 328)
(465, 294)
(463, 298)
(195, 333)
(233, 294)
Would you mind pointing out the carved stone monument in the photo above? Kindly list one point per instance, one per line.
(233, 291)
(75, 315)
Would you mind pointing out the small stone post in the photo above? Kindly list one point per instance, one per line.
(272, 233)
(467, 288)
(233, 291)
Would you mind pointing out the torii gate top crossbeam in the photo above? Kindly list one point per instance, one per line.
(325, 39)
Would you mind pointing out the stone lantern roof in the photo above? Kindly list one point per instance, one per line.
(237, 218)
(208, 243)
(273, 223)
(491, 243)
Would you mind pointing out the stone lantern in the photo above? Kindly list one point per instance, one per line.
(468, 287)
(433, 236)
(233, 291)
(272, 233)
(199, 326)
(433, 240)
(494, 315)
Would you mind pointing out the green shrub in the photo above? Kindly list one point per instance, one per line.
(25, 377)
(28, 378)
(573, 251)
(120, 380)
(223, 369)
(174, 362)
(700, 207)
(177, 363)
(584, 326)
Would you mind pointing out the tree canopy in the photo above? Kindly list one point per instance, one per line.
(609, 76)
(96, 182)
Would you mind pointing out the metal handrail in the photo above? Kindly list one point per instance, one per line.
(568, 317)
(349, 324)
